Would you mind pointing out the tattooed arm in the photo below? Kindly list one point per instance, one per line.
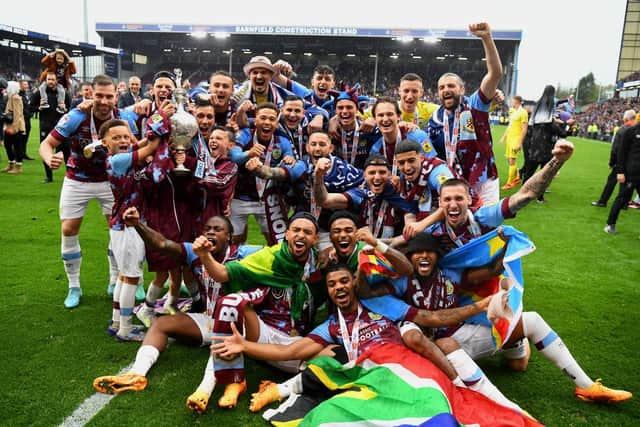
(323, 197)
(449, 316)
(539, 182)
(255, 166)
(150, 236)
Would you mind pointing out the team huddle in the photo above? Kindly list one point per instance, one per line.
(333, 184)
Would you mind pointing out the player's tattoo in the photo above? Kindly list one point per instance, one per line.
(265, 172)
(535, 186)
(446, 317)
(320, 191)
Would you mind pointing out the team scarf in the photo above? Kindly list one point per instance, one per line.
(162, 163)
(482, 251)
(274, 266)
(414, 190)
(275, 93)
(296, 136)
(347, 154)
(274, 204)
(451, 141)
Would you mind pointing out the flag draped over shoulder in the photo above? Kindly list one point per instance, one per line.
(482, 251)
(272, 266)
(390, 386)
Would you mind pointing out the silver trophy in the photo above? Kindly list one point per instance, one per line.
(183, 125)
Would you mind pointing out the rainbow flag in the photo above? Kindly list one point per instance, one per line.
(482, 251)
(375, 266)
(389, 386)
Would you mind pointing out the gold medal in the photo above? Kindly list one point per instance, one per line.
(293, 333)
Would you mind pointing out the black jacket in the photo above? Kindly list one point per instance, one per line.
(628, 161)
(49, 117)
(126, 99)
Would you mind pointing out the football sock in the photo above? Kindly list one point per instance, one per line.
(116, 301)
(209, 379)
(551, 346)
(457, 381)
(513, 174)
(473, 377)
(145, 358)
(72, 259)
(113, 266)
(194, 292)
(153, 292)
(291, 386)
(127, 302)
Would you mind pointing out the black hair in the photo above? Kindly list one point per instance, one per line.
(307, 216)
(406, 146)
(343, 214)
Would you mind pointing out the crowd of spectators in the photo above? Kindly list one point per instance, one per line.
(607, 115)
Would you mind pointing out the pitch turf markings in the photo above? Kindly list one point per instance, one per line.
(90, 407)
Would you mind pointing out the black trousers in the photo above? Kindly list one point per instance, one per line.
(13, 144)
(608, 188)
(25, 137)
(624, 195)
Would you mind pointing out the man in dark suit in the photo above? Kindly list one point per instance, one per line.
(131, 96)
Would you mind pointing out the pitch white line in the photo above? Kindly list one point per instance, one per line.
(90, 407)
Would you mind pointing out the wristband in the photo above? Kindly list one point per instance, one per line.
(382, 247)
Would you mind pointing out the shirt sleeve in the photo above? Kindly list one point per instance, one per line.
(69, 123)
(387, 305)
(355, 196)
(321, 335)
(422, 138)
(494, 215)
(438, 175)
(478, 101)
(121, 163)
(187, 256)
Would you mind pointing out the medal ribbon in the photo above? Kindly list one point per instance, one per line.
(350, 344)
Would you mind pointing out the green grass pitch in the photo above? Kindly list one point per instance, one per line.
(584, 282)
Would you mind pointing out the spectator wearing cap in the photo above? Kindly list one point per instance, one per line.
(375, 201)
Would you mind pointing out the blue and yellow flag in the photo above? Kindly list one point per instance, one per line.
(482, 251)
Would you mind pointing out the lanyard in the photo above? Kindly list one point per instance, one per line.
(260, 183)
(350, 343)
(380, 217)
(354, 145)
(289, 291)
(394, 168)
(451, 142)
(213, 290)
(473, 228)
(95, 138)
